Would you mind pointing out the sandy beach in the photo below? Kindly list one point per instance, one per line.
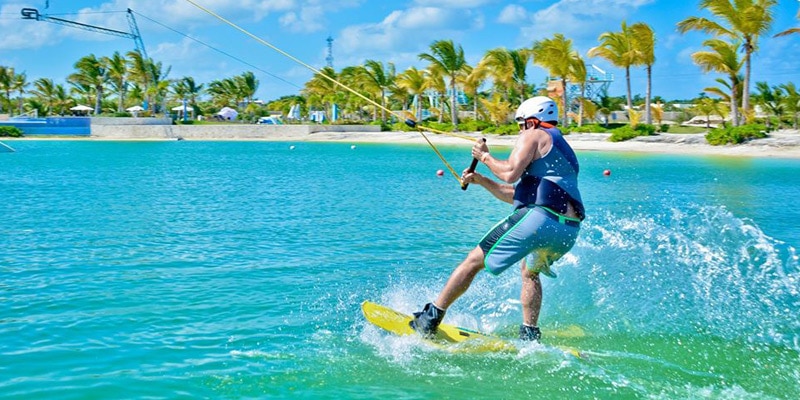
(779, 144)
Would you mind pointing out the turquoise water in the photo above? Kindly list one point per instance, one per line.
(236, 270)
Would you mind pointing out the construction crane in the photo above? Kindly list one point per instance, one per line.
(34, 14)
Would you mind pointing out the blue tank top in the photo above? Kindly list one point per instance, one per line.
(552, 180)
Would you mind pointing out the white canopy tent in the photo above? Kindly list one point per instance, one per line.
(135, 110)
(81, 109)
(228, 113)
(179, 109)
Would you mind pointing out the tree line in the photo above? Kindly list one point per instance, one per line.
(493, 87)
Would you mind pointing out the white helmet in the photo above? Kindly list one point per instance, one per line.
(539, 107)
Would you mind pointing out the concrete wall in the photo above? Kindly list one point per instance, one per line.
(97, 121)
(120, 130)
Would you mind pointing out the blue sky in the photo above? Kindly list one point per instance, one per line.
(387, 31)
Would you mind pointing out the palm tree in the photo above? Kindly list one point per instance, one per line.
(708, 107)
(434, 82)
(61, 101)
(792, 101)
(45, 90)
(412, 81)
(723, 58)
(558, 57)
(578, 74)
(644, 41)
(472, 83)
(33, 104)
(507, 69)
(743, 20)
(725, 89)
(618, 49)
(321, 90)
(498, 109)
(448, 58)
(355, 78)
(159, 84)
(246, 86)
(139, 74)
(81, 93)
(91, 74)
(19, 84)
(770, 99)
(379, 80)
(117, 67)
(186, 89)
(223, 92)
(135, 93)
(6, 86)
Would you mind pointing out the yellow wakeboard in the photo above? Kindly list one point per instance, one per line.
(448, 337)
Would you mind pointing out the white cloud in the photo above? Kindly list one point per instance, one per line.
(512, 14)
(580, 20)
(21, 34)
(453, 3)
(308, 19)
(406, 29)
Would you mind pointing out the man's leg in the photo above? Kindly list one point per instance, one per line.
(531, 298)
(461, 278)
(427, 320)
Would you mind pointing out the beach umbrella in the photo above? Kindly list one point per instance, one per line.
(135, 109)
(81, 108)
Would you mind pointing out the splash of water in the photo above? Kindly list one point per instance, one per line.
(690, 268)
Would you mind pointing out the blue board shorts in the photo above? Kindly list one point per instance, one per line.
(529, 230)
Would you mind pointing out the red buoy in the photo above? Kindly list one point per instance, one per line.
(440, 172)
(607, 172)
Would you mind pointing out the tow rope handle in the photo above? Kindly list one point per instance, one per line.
(471, 169)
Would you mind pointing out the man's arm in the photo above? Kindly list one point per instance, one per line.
(503, 192)
(525, 150)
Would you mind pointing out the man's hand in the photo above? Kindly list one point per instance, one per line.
(471, 177)
(480, 150)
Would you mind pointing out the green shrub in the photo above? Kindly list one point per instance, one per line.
(663, 128)
(443, 126)
(473, 126)
(735, 135)
(507, 129)
(401, 126)
(627, 132)
(10, 131)
(622, 134)
(645, 129)
(590, 128)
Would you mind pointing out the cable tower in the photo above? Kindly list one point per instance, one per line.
(32, 13)
(329, 58)
(596, 85)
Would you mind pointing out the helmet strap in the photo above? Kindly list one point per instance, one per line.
(536, 124)
(542, 124)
